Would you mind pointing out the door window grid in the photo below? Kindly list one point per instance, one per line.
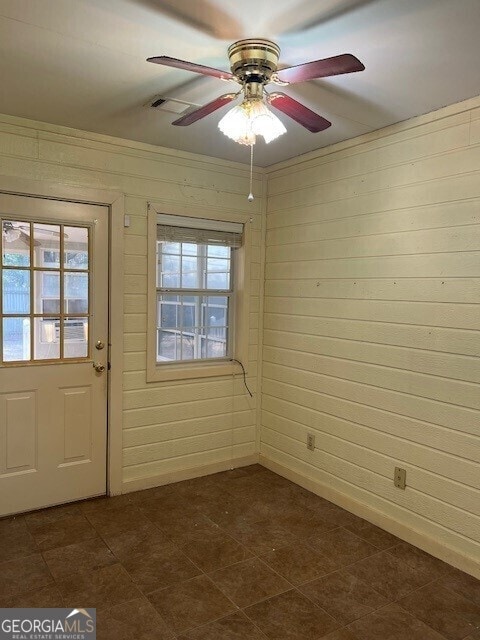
(60, 333)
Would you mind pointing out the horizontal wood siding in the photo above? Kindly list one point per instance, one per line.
(168, 427)
(372, 318)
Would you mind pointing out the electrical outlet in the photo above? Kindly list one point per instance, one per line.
(310, 442)
(400, 478)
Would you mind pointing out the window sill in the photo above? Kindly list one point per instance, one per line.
(164, 372)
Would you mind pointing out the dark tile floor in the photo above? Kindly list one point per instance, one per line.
(240, 555)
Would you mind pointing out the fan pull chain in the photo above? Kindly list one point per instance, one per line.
(250, 195)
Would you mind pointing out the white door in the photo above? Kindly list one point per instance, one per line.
(54, 352)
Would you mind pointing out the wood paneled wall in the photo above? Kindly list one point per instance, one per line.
(169, 428)
(372, 321)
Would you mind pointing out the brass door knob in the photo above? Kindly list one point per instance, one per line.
(99, 367)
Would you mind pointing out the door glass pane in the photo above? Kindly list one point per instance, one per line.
(16, 339)
(47, 292)
(16, 291)
(75, 248)
(16, 245)
(46, 338)
(75, 338)
(46, 245)
(76, 293)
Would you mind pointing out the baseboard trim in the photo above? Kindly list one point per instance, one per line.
(419, 539)
(186, 474)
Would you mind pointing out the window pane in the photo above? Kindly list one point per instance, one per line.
(189, 264)
(170, 264)
(190, 273)
(190, 281)
(75, 245)
(46, 338)
(188, 317)
(216, 349)
(75, 338)
(47, 292)
(219, 251)
(189, 249)
(216, 264)
(217, 301)
(167, 345)
(170, 247)
(16, 291)
(46, 239)
(170, 280)
(218, 274)
(16, 339)
(188, 347)
(76, 293)
(169, 315)
(16, 243)
(216, 322)
(218, 281)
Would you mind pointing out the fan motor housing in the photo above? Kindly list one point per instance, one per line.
(254, 60)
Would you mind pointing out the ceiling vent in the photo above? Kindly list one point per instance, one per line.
(163, 103)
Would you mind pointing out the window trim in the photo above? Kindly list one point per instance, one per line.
(158, 372)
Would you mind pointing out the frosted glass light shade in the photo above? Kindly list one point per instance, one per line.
(12, 234)
(250, 119)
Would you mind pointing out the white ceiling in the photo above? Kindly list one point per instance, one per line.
(81, 63)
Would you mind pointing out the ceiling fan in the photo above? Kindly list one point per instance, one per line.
(254, 65)
(16, 231)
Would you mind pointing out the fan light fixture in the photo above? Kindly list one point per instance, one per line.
(250, 119)
(10, 233)
(254, 65)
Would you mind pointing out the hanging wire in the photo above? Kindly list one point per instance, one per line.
(250, 195)
(244, 376)
(232, 422)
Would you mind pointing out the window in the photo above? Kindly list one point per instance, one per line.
(195, 290)
(199, 296)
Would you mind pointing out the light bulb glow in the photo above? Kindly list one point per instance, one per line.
(250, 119)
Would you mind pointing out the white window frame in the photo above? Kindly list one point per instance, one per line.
(159, 371)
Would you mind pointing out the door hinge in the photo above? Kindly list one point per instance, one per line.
(109, 366)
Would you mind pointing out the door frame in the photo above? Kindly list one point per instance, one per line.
(115, 201)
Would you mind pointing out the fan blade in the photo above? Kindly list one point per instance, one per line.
(345, 63)
(299, 112)
(206, 110)
(24, 237)
(191, 66)
(26, 229)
